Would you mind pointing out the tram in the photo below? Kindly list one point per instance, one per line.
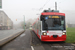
(50, 26)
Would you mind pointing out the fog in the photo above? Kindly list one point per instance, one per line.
(16, 9)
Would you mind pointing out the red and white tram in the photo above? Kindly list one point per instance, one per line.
(50, 26)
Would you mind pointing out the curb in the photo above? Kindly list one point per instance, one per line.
(3, 42)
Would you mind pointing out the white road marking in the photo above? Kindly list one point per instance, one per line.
(22, 35)
(32, 48)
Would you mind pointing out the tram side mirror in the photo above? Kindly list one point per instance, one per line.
(42, 18)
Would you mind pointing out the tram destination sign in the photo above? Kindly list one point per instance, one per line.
(0, 4)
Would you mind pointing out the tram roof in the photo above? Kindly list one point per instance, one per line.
(52, 13)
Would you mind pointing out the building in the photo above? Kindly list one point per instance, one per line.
(9, 24)
(5, 21)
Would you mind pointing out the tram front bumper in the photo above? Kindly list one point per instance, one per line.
(53, 39)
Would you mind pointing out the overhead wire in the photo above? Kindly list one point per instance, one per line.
(44, 5)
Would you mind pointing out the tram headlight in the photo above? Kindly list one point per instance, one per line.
(44, 33)
(64, 33)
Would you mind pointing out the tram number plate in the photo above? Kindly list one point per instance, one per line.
(52, 35)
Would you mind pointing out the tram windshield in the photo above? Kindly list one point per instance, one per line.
(53, 23)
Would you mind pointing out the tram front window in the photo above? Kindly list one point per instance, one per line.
(53, 23)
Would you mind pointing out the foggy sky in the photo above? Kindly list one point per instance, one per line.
(15, 9)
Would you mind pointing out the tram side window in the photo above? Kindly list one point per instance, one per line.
(39, 25)
(35, 25)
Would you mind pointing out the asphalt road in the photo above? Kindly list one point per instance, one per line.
(29, 41)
